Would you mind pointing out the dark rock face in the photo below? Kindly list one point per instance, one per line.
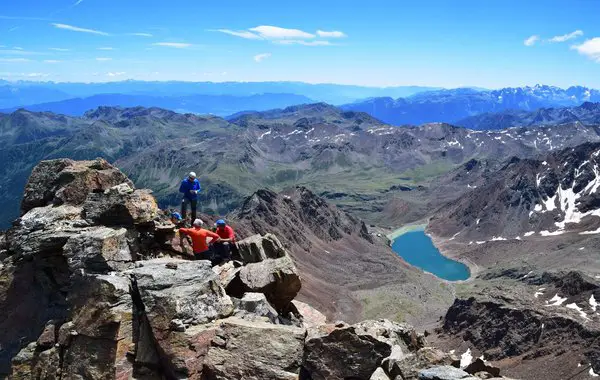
(558, 323)
(552, 195)
(344, 353)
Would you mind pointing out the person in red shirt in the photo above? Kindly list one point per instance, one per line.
(226, 243)
(202, 249)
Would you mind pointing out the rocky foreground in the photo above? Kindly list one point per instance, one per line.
(93, 286)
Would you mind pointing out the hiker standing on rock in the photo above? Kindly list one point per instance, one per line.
(202, 250)
(190, 187)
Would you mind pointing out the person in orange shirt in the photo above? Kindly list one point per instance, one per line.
(202, 249)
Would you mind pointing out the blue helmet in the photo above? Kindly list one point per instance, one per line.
(220, 222)
(176, 215)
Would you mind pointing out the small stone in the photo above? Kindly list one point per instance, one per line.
(47, 338)
(219, 341)
(65, 332)
(177, 325)
(171, 265)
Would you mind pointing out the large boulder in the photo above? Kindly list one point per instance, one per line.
(407, 365)
(179, 289)
(99, 250)
(44, 229)
(444, 373)
(176, 297)
(254, 306)
(102, 331)
(277, 279)
(258, 248)
(255, 351)
(67, 181)
(120, 205)
(338, 353)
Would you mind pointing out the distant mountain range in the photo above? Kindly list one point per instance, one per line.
(25, 93)
(221, 105)
(451, 106)
(587, 113)
(382, 173)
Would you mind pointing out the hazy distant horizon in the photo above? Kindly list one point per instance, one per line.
(381, 43)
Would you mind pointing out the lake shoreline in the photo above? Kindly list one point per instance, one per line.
(405, 229)
(440, 244)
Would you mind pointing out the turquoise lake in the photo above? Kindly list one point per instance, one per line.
(417, 249)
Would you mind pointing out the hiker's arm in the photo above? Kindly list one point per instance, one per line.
(230, 237)
(215, 238)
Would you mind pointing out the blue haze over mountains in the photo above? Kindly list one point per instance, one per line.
(404, 105)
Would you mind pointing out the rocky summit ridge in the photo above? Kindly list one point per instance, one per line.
(92, 286)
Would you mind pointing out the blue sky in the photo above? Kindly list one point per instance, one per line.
(484, 43)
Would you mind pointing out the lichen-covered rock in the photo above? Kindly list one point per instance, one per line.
(190, 292)
(277, 279)
(255, 351)
(67, 181)
(334, 353)
(98, 250)
(102, 330)
(120, 205)
(254, 306)
(33, 363)
(259, 248)
(443, 373)
(309, 316)
(44, 229)
(408, 365)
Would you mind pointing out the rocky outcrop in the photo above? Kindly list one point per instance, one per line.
(257, 350)
(67, 181)
(93, 288)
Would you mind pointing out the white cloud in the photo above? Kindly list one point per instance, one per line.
(305, 43)
(116, 74)
(37, 75)
(275, 32)
(58, 49)
(590, 48)
(332, 34)
(261, 57)
(18, 48)
(177, 45)
(77, 3)
(103, 59)
(78, 29)
(105, 48)
(18, 52)
(51, 61)
(531, 40)
(14, 60)
(141, 34)
(566, 37)
(242, 33)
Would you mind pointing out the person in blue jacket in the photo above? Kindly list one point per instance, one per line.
(190, 187)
